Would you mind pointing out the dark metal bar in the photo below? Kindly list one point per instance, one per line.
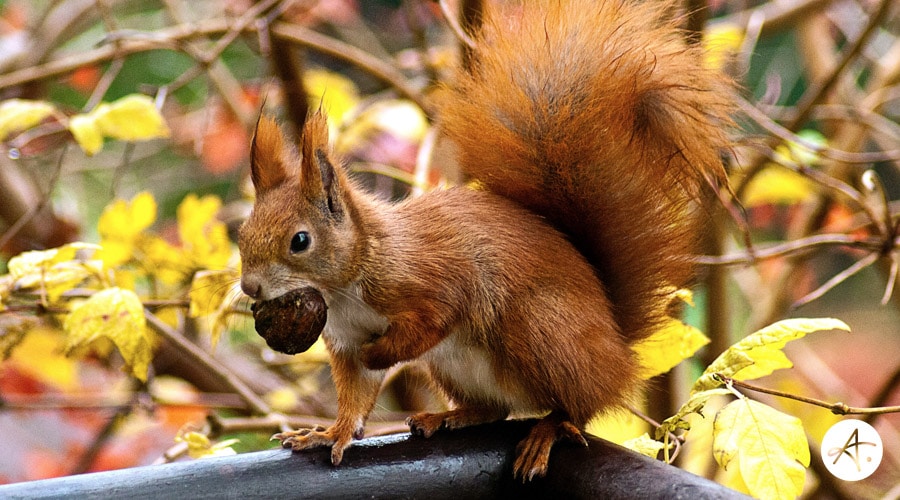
(467, 463)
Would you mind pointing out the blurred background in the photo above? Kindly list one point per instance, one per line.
(126, 123)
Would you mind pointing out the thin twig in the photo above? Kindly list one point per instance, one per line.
(793, 247)
(820, 88)
(203, 358)
(785, 134)
(889, 386)
(206, 60)
(17, 226)
(837, 279)
(219, 75)
(87, 458)
(94, 402)
(374, 66)
(676, 440)
(836, 408)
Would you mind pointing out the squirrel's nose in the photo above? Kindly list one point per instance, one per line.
(251, 286)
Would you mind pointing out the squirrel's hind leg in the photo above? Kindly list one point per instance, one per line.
(425, 424)
(533, 452)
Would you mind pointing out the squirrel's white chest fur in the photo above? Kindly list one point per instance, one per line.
(352, 322)
(468, 366)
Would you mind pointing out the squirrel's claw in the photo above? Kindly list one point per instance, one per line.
(305, 439)
(533, 452)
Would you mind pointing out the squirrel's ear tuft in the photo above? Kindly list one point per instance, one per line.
(315, 135)
(317, 172)
(267, 156)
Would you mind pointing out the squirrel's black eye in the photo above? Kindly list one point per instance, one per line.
(300, 242)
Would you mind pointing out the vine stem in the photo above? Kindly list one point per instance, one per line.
(836, 408)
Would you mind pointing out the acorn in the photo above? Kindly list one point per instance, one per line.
(292, 322)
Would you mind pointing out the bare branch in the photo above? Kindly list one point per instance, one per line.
(202, 357)
(793, 247)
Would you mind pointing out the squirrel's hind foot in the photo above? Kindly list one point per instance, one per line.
(426, 424)
(533, 452)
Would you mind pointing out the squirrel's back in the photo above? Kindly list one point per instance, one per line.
(599, 117)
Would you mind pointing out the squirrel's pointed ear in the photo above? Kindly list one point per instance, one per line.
(267, 156)
(318, 176)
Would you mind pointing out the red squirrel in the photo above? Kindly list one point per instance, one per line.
(591, 127)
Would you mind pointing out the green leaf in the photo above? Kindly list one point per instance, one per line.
(769, 446)
(670, 345)
(759, 353)
(115, 314)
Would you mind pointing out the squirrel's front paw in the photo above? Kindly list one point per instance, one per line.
(378, 355)
(305, 439)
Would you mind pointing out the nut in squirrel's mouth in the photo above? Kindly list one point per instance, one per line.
(292, 322)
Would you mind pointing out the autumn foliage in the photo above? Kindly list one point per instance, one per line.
(124, 337)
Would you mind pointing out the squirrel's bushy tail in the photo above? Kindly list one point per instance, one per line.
(596, 115)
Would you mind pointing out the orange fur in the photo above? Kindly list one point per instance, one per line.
(593, 128)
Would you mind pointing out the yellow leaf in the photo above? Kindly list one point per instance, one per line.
(400, 118)
(37, 261)
(727, 364)
(209, 291)
(282, 399)
(162, 260)
(671, 344)
(199, 445)
(770, 448)
(695, 404)
(131, 118)
(117, 315)
(764, 346)
(617, 427)
(720, 43)
(203, 236)
(759, 353)
(645, 445)
(40, 356)
(777, 185)
(55, 271)
(22, 114)
(336, 93)
(87, 133)
(121, 224)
